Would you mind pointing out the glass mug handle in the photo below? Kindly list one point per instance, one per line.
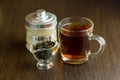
(101, 42)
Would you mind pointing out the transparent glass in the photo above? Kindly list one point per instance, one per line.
(75, 35)
(36, 36)
(44, 56)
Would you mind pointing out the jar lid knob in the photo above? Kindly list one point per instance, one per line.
(41, 14)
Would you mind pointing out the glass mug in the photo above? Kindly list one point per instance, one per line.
(75, 35)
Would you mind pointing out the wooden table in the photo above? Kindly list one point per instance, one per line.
(16, 63)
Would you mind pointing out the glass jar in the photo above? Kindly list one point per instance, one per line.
(40, 26)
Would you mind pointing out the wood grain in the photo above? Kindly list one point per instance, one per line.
(16, 63)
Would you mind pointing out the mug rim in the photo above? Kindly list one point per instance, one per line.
(85, 18)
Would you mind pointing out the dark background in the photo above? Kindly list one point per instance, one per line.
(16, 63)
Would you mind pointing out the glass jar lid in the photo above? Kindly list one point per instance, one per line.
(41, 19)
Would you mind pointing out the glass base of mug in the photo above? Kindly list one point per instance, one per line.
(74, 61)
